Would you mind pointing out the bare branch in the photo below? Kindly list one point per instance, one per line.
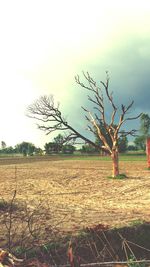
(133, 118)
(50, 118)
(109, 95)
(125, 133)
(45, 111)
(77, 79)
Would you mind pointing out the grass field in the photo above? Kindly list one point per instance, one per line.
(70, 193)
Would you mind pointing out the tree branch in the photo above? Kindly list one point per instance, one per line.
(45, 107)
(50, 117)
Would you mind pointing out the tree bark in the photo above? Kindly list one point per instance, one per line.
(148, 151)
(115, 161)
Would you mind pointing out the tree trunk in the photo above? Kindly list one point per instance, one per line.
(115, 161)
(148, 151)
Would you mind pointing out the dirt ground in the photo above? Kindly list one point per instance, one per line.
(77, 193)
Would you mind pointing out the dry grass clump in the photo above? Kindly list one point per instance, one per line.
(23, 226)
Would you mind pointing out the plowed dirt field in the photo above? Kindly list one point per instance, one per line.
(78, 193)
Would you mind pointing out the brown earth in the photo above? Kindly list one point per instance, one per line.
(72, 194)
(81, 190)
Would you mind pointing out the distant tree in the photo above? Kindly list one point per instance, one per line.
(123, 144)
(38, 151)
(59, 145)
(68, 149)
(3, 145)
(89, 149)
(55, 146)
(9, 150)
(140, 143)
(145, 125)
(51, 148)
(6, 150)
(25, 148)
(45, 111)
(59, 140)
(132, 148)
(140, 140)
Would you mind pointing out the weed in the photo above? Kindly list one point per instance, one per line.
(83, 234)
(31, 253)
(51, 245)
(136, 222)
(118, 177)
(4, 205)
(19, 250)
(132, 262)
(7, 205)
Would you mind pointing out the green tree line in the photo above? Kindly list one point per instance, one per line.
(60, 145)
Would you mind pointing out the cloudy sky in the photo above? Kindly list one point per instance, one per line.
(45, 43)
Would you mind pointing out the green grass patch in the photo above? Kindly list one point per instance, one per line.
(137, 222)
(88, 158)
(93, 157)
(118, 177)
(122, 157)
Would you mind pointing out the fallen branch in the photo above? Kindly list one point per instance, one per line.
(7, 259)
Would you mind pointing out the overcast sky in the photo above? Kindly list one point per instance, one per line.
(45, 43)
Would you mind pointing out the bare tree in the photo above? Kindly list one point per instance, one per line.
(51, 119)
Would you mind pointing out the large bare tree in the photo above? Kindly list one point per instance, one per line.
(51, 119)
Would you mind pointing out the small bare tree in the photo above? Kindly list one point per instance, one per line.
(51, 119)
